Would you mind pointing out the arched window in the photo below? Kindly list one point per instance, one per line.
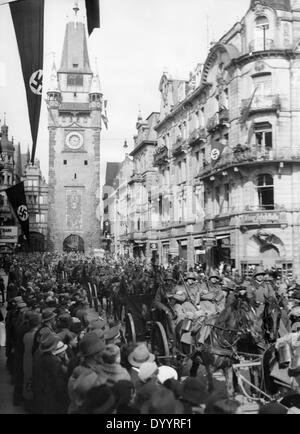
(265, 190)
(262, 37)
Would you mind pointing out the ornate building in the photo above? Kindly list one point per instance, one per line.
(74, 105)
(36, 191)
(142, 190)
(230, 146)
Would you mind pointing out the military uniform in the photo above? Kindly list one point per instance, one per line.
(258, 291)
(212, 293)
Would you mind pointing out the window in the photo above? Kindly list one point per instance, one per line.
(226, 198)
(202, 157)
(41, 200)
(263, 135)
(75, 80)
(160, 207)
(65, 162)
(217, 196)
(35, 183)
(85, 162)
(179, 172)
(263, 85)
(262, 36)
(75, 65)
(265, 190)
(75, 176)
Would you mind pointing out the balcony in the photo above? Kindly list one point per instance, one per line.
(259, 216)
(179, 146)
(260, 103)
(160, 156)
(196, 136)
(218, 120)
(136, 177)
(243, 155)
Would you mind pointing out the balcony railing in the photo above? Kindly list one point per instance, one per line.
(249, 216)
(160, 156)
(179, 146)
(261, 45)
(136, 177)
(196, 135)
(263, 217)
(246, 155)
(260, 103)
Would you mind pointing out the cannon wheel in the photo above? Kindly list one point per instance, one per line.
(159, 342)
(129, 329)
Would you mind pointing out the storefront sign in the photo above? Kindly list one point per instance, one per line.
(154, 246)
(200, 252)
(8, 234)
(183, 242)
(198, 242)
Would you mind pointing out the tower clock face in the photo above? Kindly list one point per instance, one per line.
(74, 140)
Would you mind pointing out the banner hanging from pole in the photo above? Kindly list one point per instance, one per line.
(28, 20)
(17, 199)
(93, 14)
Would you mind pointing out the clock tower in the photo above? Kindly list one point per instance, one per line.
(74, 102)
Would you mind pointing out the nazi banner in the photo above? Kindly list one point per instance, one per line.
(17, 199)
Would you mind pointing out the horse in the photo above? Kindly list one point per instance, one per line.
(221, 338)
(275, 320)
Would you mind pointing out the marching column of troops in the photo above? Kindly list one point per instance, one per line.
(65, 357)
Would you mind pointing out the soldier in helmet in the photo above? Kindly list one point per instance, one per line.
(213, 292)
(258, 289)
(161, 302)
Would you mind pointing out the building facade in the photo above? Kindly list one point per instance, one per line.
(143, 190)
(36, 192)
(230, 146)
(74, 105)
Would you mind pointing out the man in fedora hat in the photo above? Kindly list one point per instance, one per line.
(139, 355)
(47, 326)
(54, 375)
(111, 365)
(91, 349)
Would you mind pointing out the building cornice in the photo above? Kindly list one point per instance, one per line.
(142, 145)
(183, 104)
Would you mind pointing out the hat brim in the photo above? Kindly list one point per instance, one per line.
(136, 364)
(50, 318)
(61, 350)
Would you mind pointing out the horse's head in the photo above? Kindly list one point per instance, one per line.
(271, 318)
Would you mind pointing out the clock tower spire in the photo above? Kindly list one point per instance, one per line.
(74, 109)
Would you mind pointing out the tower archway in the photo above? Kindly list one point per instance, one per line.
(73, 243)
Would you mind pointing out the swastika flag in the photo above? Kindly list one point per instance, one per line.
(93, 14)
(28, 20)
(216, 151)
(17, 199)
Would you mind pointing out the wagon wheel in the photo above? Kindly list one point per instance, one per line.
(159, 343)
(129, 329)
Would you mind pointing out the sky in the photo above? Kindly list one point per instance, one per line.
(138, 40)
